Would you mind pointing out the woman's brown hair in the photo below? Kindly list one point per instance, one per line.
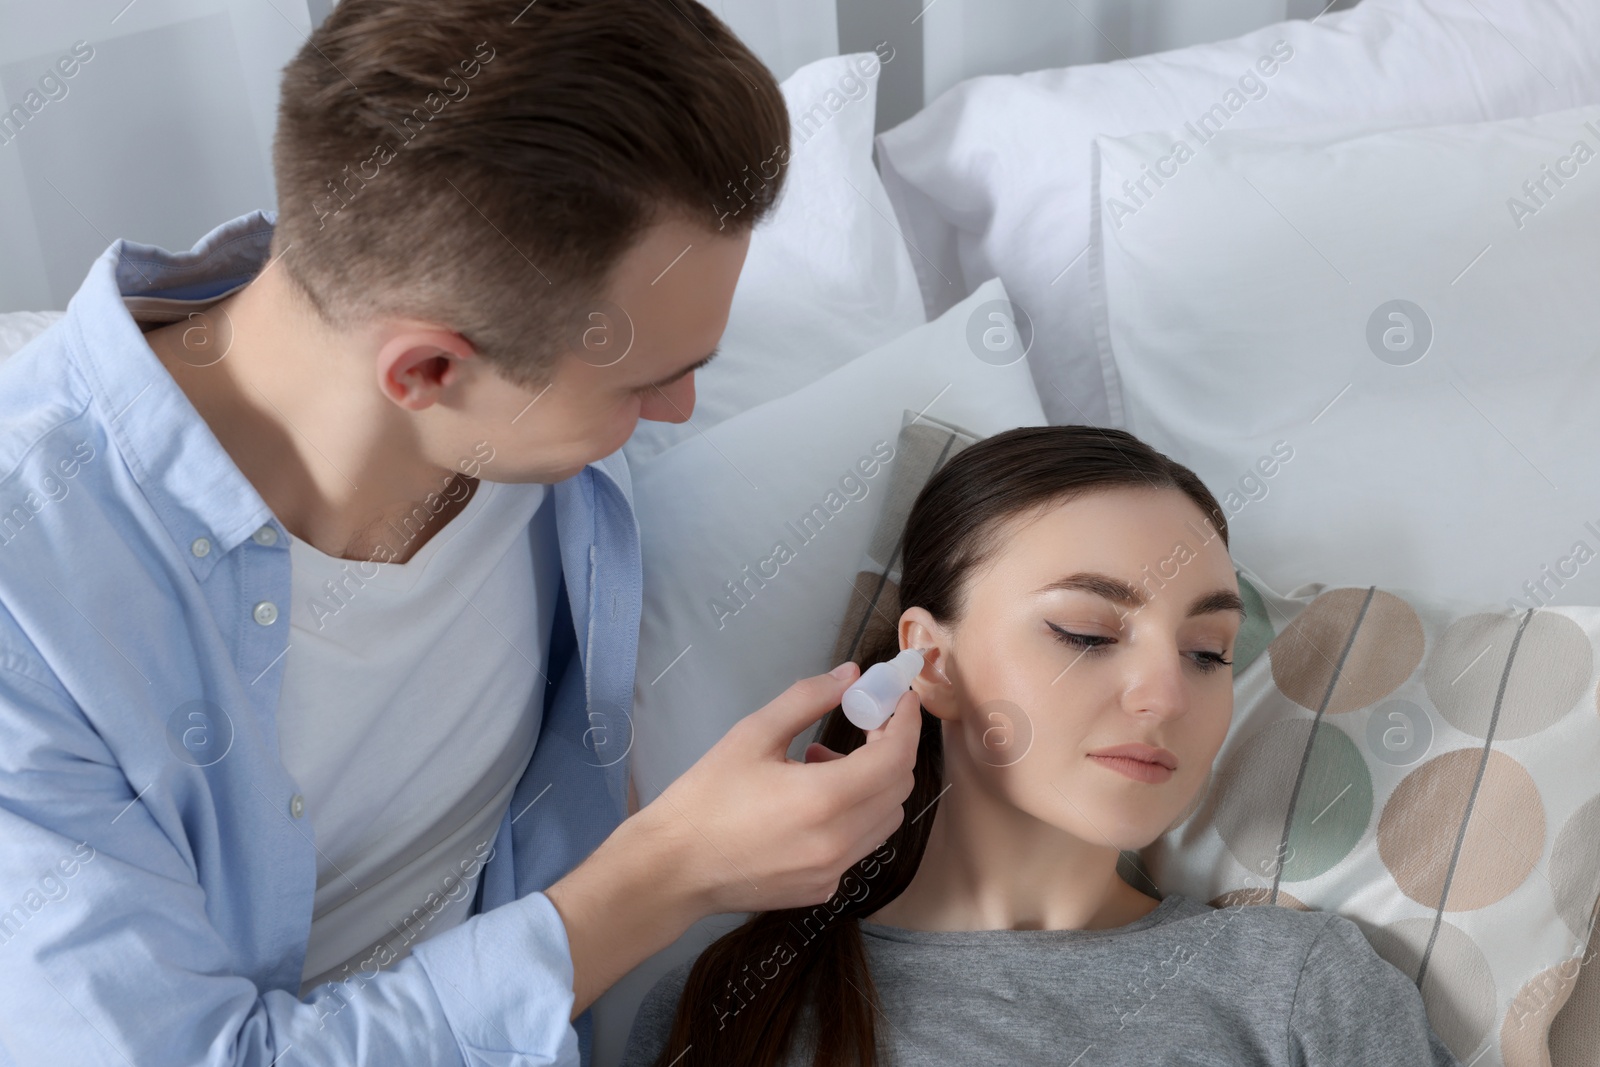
(746, 995)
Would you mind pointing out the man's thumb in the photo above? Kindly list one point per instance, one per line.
(801, 705)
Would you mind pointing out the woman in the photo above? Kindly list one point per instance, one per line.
(1073, 592)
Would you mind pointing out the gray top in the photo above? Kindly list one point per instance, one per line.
(1187, 984)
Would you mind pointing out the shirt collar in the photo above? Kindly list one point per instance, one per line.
(190, 480)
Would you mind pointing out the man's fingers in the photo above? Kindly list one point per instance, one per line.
(881, 732)
(798, 707)
(820, 753)
(879, 766)
(905, 725)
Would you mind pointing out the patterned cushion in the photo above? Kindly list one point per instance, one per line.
(1427, 770)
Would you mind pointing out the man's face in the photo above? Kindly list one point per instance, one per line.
(629, 356)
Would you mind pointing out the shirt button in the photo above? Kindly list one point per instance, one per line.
(200, 546)
(297, 805)
(265, 536)
(266, 613)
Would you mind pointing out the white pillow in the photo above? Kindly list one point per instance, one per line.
(17, 328)
(717, 504)
(828, 276)
(992, 179)
(1249, 309)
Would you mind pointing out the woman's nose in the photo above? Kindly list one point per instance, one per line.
(1155, 684)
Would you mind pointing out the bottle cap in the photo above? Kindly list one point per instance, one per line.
(872, 699)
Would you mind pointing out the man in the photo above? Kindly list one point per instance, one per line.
(319, 578)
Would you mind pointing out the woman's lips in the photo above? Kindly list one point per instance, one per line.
(1138, 770)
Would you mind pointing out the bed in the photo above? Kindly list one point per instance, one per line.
(1343, 267)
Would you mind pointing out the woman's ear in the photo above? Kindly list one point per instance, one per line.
(934, 689)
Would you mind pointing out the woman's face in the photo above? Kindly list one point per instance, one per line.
(1103, 622)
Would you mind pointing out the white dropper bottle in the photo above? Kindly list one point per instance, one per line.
(872, 699)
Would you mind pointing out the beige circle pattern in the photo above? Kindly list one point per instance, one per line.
(1505, 835)
(1387, 648)
(1524, 1030)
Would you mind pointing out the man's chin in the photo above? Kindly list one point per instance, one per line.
(502, 472)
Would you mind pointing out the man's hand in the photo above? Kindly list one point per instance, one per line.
(767, 832)
(744, 829)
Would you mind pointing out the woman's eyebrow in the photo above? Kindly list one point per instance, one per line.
(1120, 592)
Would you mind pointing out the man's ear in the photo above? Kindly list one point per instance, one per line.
(417, 361)
(934, 688)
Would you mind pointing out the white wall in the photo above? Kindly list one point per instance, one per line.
(165, 131)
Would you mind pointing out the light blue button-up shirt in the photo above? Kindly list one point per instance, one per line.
(156, 867)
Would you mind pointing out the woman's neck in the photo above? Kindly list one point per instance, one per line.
(991, 866)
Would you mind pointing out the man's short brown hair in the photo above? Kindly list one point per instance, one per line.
(484, 164)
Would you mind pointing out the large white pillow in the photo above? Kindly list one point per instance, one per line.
(992, 179)
(828, 276)
(1378, 349)
(712, 509)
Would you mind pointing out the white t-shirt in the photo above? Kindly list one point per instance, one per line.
(411, 701)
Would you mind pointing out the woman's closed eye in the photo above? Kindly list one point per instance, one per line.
(1092, 644)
